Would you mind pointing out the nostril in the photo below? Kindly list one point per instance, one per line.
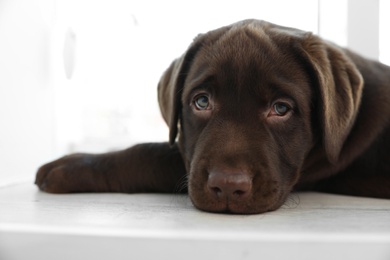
(239, 193)
(216, 190)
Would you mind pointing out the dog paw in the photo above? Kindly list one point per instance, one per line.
(62, 175)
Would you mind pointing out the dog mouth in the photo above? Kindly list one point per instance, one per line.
(257, 203)
(243, 208)
(229, 207)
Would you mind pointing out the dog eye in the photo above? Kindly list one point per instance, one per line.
(281, 109)
(201, 102)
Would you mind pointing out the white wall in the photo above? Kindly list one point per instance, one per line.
(26, 115)
(363, 27)
(384, 28)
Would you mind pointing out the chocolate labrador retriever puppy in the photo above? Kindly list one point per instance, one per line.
(259, 110)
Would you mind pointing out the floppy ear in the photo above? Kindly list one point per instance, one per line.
(340, 87)
(172, 81)
(170, 87)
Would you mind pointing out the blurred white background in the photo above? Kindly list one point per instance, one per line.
(80, 75)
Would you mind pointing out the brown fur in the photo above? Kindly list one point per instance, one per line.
(238, 155)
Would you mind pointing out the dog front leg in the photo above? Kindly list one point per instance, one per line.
(148, 167)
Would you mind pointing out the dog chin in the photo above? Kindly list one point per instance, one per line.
(252, 206)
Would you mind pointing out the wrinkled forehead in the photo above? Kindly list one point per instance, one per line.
(250, 59)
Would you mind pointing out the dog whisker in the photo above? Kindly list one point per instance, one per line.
(292, 201)
(181, 185)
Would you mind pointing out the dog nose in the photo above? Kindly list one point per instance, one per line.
(225, 185)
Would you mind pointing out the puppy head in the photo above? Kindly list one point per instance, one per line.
(247, 98)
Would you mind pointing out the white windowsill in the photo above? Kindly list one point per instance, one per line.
(36, 225)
